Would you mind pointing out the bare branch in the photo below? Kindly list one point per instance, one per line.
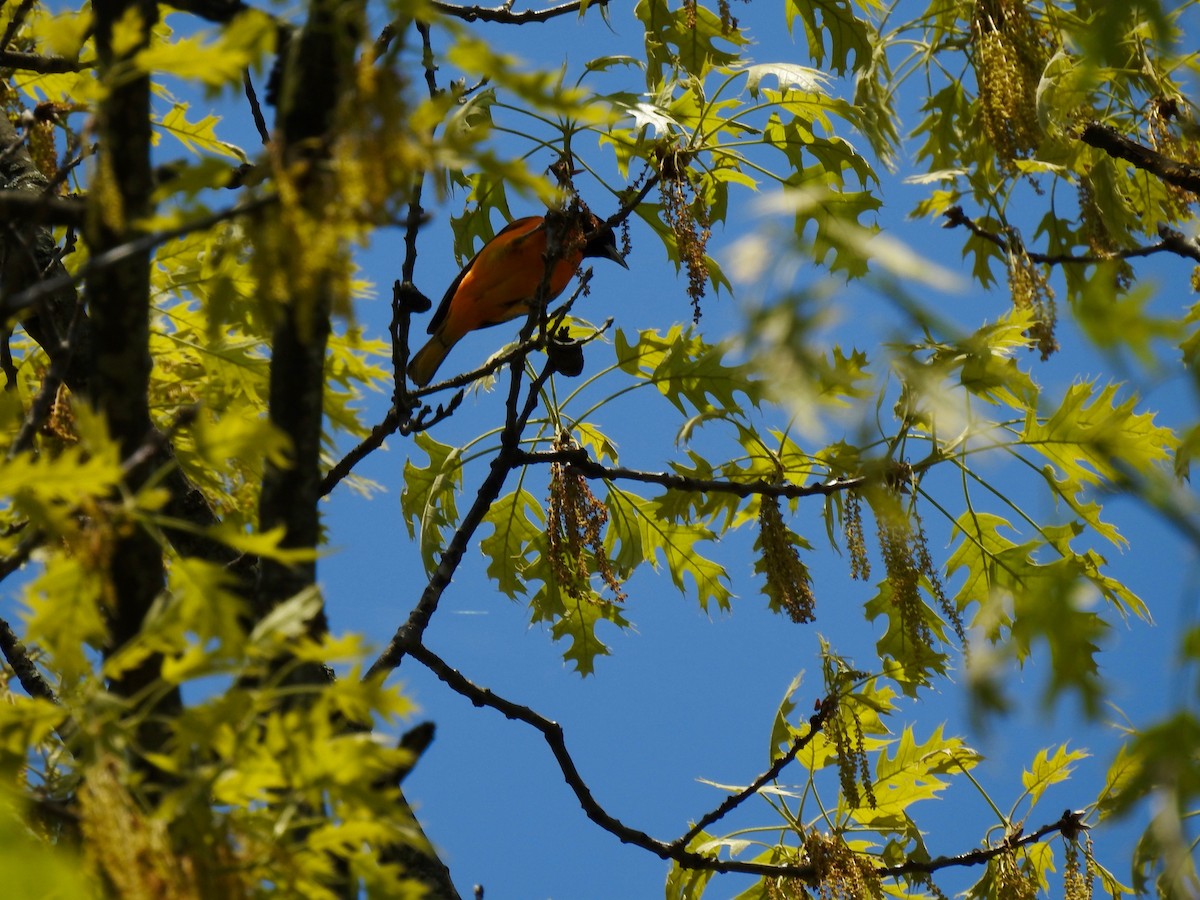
(1070, 823)
(16, 654)
(15, 23)
(555, 738)
(578, 459)
(1112, 142)
(371, 443)
(1172, 242)
(409, 634)
(41, 209)
(815, 723)
(260, 122)
(43, 65)
(504, 14)
(632, 203)
(19, 659)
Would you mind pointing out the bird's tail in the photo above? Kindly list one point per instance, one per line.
(426, 360)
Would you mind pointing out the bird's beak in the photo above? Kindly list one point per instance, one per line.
(615, 255)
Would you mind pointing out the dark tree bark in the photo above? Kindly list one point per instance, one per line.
(312, 79)
(119, 301)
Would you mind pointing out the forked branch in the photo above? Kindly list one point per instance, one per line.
(1070, 824)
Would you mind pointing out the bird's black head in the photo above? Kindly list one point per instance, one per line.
(601, 243)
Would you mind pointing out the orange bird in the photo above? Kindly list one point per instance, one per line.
(501, 282)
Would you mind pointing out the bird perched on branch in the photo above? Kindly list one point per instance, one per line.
(502, 280)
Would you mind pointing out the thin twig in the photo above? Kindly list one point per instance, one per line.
(579, 460)
(504, 14)
(15, 23)
(371, 443)
(70, 164)
(409, 634)
(427, 58)
(43, 65)
(633, 202)
(815, 723)
(1070, 823)
(20, 556)
(406, 298)
(1112, 142)
(260, 121)
(1172, 242)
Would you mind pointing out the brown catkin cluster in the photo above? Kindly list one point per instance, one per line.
(576, 525)
(1078, 880)
(1162, 116)
(729, 22)
(1012, 882)
(788, 583)
(785, 889)
(1011, 51)
(852, 529)
(933, 578)
(905, 549)
(841, 873)
(1031, 290)
(689, 219)
(689, 14)
(42, 149)
(904, 576)
(844, 731)
(60, 423)
(1099, 239)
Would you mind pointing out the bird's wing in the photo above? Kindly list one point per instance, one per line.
(527, 223)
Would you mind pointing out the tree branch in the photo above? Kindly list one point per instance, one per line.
(409, 634)
(256, 113)
(390, 425)
(41, 209)
(504, 14)
(1069, 823)
(579, 460)
(119, 301)
(1172, 242)
(17, 20)
(1115, 144)
(815, 723)
(553, 734)
(42, 65)
(17, 656)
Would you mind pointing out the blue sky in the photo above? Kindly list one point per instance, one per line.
(686, 695)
